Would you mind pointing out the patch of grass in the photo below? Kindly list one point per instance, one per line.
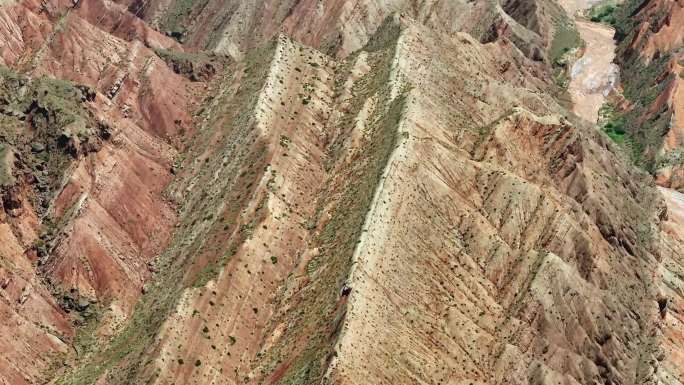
(615, 130)
(561, 52)
(178, 16)
(603, 13)
(645, 127)
(565, 39)
(211, 270)
(612, 123)
(85, 340)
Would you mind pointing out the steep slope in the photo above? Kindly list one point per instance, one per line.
(336, 26)
(339, 27)
(393, 218)
(650, 56)
(83, 174)
(136, 161)
(670, 297)
(485, 296)
(367, 192)
(46, 125)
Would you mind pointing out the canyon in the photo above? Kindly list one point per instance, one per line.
(341, 192)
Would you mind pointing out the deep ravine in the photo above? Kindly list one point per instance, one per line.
(594, 75)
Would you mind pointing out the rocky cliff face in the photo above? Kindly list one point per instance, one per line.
(650, 52)
(320, 192)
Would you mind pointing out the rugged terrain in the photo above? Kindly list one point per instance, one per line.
(341, 192)
(650, 42)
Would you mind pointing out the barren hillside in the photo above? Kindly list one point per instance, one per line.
(340, 192)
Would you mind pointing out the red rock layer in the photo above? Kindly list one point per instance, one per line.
(658, 33)
(111, 207)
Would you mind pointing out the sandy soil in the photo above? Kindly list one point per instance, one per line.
(594, 75)
(574, 6)
(675, 205)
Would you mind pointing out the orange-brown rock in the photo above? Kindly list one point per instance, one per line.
(111, 215)
(650, 50)
(367, 193)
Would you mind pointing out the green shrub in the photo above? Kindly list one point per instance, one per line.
(603, 13)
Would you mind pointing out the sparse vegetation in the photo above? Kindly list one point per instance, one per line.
(644, 128)
(222, 207)
(191, 259)
(194, 66)
(643, 124)
(178, 16)
(612, 123)
(46, 125)
(565, 39)
(319, 317)
(670, 158)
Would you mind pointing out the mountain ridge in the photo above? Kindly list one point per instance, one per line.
(407, 201)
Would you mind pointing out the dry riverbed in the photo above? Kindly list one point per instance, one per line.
(594, 75)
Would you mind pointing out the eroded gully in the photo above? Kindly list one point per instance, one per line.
(594, 76)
